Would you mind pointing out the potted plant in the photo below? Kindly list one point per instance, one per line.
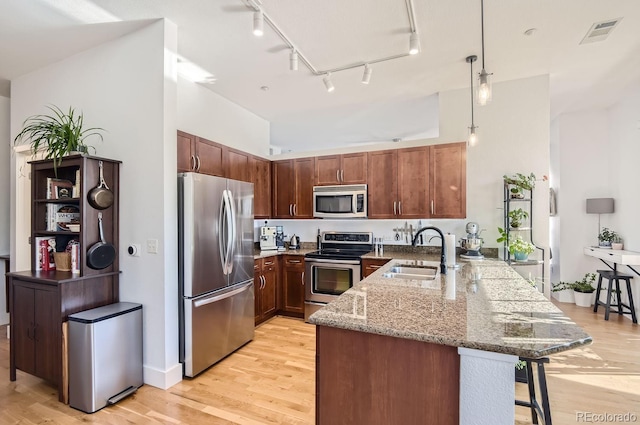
(582, 289)
(605, 237)
(518, 183)
(59, 134)
(517, 216)
(520, 248)
(616, 243)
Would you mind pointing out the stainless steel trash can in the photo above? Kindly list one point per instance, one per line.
(105, 355)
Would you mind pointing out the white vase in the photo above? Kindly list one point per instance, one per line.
(583, 299)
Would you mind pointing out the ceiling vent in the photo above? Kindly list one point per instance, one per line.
(600, 31)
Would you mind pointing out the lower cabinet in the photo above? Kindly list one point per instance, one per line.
(40, 303)
(370, 265)
(266, 288)
(293, 285)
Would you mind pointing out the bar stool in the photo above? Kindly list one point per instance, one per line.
(615, 277)
(543, 412)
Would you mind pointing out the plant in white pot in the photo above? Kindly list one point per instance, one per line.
(617, 243)
(582, 289)
(59, 134)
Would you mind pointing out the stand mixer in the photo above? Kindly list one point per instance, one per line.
(472, 243)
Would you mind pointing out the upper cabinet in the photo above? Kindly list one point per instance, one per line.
(341, 169)
(448, 170)
(293, 188)
(200, 155)
(261, 178)
(398, 183)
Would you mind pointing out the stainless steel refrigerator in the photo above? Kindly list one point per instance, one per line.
(215, 222)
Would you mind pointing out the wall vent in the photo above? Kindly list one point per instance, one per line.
(600, 31)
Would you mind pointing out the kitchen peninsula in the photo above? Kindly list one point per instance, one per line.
(393, 350)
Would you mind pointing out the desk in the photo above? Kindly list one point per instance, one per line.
(615, 256)
(7, 269)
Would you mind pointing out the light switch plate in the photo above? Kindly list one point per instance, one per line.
(152, 246)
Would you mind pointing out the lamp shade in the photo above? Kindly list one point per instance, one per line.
(600, 206)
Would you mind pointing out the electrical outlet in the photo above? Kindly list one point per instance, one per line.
(152, 246)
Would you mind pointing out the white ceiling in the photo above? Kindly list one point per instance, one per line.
(400, 101)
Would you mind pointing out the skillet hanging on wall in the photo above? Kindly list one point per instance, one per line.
(100, 197)
(101, 254)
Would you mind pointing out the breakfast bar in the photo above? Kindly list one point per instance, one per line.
(401, 347)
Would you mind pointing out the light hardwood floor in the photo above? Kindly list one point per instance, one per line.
(271, 381)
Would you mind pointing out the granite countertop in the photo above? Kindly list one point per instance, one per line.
(484, 305)
(257, 254)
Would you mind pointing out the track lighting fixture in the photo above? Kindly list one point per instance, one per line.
(473, 137)
(327, 82)
(366, 76)
(258, 23)
(484, 81)
(293, 60)
(414, 44)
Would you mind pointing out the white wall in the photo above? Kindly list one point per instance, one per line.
(128, 87)
(514, 137)
(209, 115)
(5, 193)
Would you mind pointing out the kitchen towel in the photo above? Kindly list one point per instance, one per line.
(450, 286)
(450, 249)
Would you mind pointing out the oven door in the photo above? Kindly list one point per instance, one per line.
(326, 279)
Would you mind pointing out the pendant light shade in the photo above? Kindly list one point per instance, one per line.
(473, 136)
(366, 76)
(293, 60)
(258, 23)
(414, 44)
(484, 80)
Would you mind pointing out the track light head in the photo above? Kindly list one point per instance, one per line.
(293, 60)
(258, 23)
(414, 44)
(327, 83)
(366, 76)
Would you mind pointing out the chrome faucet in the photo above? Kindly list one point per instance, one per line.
(443, 260)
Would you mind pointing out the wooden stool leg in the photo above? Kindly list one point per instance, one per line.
(608, 305)
(631, 306)
(598, 289)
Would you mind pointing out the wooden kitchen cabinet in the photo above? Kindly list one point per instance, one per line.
(200, 155)
(261, 178)
(370, 265)
(292, 188)
(341, 169)
(293, 285)
(448, 177)
(238, 165)
(398, 183)
(265, 288)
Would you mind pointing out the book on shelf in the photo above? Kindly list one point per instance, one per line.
(45, 246)
(60, 216)
(76, 186)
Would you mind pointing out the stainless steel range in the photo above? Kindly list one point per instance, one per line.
(334, 268)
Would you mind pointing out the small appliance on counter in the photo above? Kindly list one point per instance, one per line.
(472, 243)
(280, 239)
(268, 238)
(294, 243)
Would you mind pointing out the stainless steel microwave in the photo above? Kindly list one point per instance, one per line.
(347, 201)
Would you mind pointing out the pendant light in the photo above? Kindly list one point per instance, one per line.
(473, 137)
(484, 78)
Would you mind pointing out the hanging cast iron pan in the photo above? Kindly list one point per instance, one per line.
(101, 254)
(100, 197)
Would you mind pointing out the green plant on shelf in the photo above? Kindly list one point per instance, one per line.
(518, 245)
(607, 236)
(517, 216)
(520, 182)
(585, 285)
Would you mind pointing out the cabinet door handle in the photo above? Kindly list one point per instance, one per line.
(342, 176)
(302, 280)
(198, 158)
(294, 261)
(399, 207)
(295, 210)
(338, 175)
(193, 161)
(373, 266)
(291, 209)
(268, 263)
(394, 207)
(35, 333)
(432, 206)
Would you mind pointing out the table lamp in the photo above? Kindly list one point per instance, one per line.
(600, 206)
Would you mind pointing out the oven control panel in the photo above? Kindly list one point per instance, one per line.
(350, 238)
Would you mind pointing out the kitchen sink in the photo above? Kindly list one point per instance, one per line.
(402, 271)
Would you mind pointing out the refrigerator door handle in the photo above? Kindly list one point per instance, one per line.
(228, 218)
(222, 233)
(234, 235)
(229, 294)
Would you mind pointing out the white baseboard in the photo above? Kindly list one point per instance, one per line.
(163, 379)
